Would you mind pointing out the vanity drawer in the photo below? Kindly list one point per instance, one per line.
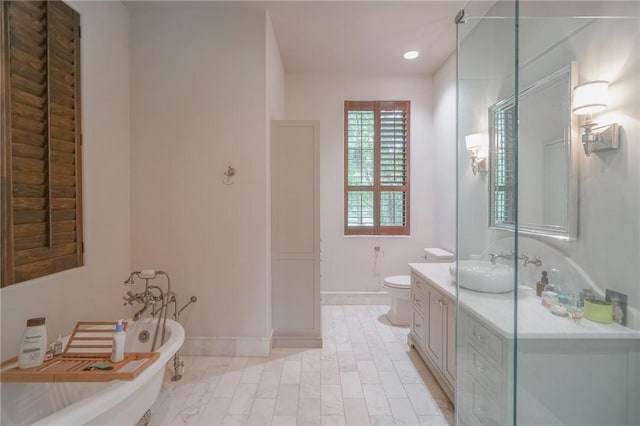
(488, 342)
(484, 372)
(418, 292)
(483, 407)
(417, 300)
(417, 327)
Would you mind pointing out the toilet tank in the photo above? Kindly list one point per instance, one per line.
(437, 255)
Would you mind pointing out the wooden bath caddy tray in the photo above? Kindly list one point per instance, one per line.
(65, 369)
(91, 338)
(89, 345)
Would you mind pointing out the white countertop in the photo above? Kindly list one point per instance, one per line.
(534, 321)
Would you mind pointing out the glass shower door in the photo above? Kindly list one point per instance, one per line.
(548, 214)
(486, 255)
(584, 372)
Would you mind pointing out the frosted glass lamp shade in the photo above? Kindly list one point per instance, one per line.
(483, 151)
(590, 98)
(474, 141)
(478, 147)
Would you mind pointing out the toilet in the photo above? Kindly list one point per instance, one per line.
(399, 288)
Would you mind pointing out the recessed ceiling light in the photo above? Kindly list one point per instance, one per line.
(411, 54)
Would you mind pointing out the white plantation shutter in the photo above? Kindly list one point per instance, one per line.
(377, 167)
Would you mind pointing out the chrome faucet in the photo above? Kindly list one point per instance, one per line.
(159, 300)
(145, 298)
(524, 258)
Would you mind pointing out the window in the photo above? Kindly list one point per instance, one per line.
(376, 178)
(504, 172)
(41, 213)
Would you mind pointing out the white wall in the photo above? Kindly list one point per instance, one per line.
(275, 75)
(348, 264)
(199, 89)
(92, 292)
(443, 156)
(275, 111)
(608, 243)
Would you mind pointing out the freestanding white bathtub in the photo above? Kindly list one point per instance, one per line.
(119, 402)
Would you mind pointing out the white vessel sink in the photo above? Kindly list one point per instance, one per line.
(483, 276)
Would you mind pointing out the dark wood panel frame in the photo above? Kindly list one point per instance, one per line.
(6, 212)
(61, 246)
(78, 148)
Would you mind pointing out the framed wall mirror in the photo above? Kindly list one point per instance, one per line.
(547, 172)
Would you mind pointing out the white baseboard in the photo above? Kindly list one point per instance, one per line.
(227, 346)
(354, 298)
(283, 342)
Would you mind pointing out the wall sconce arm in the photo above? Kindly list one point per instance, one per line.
(599, 138)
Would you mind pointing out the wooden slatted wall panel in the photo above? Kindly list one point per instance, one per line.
(42, 217)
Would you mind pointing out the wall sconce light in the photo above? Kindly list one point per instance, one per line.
(478, 147)
(591, 98)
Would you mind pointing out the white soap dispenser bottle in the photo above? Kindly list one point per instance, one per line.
(34, 344)
(117, 351)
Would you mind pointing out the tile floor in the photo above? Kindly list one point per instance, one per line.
(364, 375)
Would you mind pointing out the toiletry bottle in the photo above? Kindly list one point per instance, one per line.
(49, 354)
(540, 285)
(585, 293)
(117, 351)
(34, 344)
(57, 346)
(561, 308)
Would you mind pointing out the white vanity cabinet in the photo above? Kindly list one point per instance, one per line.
(484, 366)
(552, 368)
(449, 367)
(433, 330)
(555, 358)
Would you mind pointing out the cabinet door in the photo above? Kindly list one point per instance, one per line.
(295, 229)
(450, 332)
(435, 335)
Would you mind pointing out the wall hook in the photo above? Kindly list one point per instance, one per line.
(230, 173)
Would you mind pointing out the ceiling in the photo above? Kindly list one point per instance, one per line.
(357, 37)
(363, 37)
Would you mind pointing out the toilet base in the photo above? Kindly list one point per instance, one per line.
(399, 312)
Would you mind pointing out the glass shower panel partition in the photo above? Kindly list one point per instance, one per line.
(486, 256)
(548, 208)
(581, 372)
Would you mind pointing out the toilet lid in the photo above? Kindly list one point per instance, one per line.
(398, 281)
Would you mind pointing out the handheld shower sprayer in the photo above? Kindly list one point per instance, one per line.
(145, 274)
(129, 280)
